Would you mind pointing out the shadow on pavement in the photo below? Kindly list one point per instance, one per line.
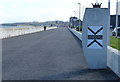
(72, 74)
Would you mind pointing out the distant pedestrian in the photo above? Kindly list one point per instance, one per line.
(44, 28)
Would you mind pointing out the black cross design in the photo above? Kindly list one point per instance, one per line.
(95, 37)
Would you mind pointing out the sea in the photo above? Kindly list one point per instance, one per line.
(14, 26)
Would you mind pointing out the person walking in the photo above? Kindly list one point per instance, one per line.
(44, 28)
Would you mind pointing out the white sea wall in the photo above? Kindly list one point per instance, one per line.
(10, 32)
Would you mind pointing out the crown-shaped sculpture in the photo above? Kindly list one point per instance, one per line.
(97, 5)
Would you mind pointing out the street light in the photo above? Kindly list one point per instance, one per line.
(74, 20)
(74, 13)
(109, 6)
(96, 1)
(83, 11)
(79, 14)
(109, 21)
(116, 17)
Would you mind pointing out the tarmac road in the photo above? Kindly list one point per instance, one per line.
(49, 55)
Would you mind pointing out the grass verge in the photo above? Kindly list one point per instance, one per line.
(115, 42)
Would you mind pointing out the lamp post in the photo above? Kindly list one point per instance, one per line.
(74, 20)
(79, 14)
(116, 17)
(96, 1)
(109, 6)
(74, 13)
(83, 11)
(108, 22)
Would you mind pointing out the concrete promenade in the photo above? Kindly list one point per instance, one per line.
(50, 55)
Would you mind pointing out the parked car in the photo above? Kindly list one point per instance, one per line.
(116, 31)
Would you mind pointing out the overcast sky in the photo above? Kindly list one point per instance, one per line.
(44, 10)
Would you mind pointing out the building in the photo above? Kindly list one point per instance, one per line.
(119, 7)
(73, 22)
(113, 20)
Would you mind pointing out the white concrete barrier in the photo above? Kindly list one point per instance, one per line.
(113, 55)
(113, 60)
(10, 32)
(76, 33)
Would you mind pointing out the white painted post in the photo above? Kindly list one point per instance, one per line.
(94, 37)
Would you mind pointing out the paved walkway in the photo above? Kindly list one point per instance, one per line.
(50, 55)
